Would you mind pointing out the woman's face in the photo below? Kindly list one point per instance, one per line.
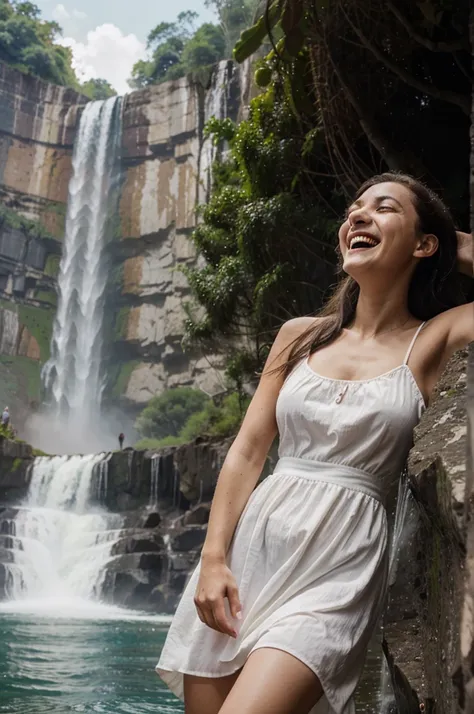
(380, 233)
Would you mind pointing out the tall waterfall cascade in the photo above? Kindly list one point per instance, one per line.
(60, 542)
(73, 377)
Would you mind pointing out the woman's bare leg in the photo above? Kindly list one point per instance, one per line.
(273, 682)
(206, 695)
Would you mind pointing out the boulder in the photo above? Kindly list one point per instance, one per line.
(138, 542)
(197, 516)
(191, 538)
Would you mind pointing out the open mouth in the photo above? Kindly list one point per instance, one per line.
(361, 242)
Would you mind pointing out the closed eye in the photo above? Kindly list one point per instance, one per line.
(385, 208)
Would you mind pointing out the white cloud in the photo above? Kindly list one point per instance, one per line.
(60, 13)
(70, 21)
(107, 53)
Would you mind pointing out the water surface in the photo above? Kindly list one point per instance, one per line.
(78, 663)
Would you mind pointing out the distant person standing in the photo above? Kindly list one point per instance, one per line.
(121, 438)
(6, 417)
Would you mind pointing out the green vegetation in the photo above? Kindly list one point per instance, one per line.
(7, 432)
(265, 203)
(11, 219)
(31, 370)
(149, 443)
(29, 44)
(51, 267)
(121, 322)
(167, 414)
(97, 89)
(182, 47)
(350, 91)
(38, 452)
(39, 322)
(121, 383)
(182, 414)
(47, 296)
(20, 384)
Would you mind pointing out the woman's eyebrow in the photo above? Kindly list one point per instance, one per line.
(378, 200)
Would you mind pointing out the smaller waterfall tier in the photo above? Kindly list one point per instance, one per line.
(60, 544)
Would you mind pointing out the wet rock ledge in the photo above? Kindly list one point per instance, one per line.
(423, 618)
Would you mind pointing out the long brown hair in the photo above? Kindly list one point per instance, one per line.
(433, 289)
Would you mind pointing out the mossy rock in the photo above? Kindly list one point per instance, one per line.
(39, 322)
(121, 383)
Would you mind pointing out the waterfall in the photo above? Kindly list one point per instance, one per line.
(403, 528)
(155, 478)
(60, 543)
(176, 489)
(102, 479)
(215, 105)
(73, 376)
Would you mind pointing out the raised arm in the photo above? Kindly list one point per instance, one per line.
(460, 320)
(240, 472)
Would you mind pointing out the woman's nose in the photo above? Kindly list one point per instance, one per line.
(358, 218)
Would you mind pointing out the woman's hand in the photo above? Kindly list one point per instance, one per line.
(465, 256)
(216, 582)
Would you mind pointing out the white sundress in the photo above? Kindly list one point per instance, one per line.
(309, 553)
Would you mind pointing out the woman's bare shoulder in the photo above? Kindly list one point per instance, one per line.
(295, 327)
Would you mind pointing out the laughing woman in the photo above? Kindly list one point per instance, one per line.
(277, 617)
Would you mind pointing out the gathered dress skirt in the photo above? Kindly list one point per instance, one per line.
(309, 555)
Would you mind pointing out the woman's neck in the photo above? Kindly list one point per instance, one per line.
(382, 312)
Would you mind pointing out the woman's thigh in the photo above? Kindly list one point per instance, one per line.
(206, 695)
(273, 682)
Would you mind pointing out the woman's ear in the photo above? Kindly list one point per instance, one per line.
(426, 246)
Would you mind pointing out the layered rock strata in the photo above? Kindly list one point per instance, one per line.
(37, 127)
(167, 165)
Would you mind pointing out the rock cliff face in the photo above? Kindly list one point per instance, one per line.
(37, 128)
(423, 619)
(167, 163)
(166, 174)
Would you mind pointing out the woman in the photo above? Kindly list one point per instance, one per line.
(293, 576)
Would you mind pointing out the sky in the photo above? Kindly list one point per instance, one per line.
(107, 37)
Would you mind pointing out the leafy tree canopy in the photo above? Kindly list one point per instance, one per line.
(205, 417)
(181, 47)
(29, 44)
(352, 89)
(97, 89)
(166, 414)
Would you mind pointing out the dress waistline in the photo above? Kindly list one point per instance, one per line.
(328, 472)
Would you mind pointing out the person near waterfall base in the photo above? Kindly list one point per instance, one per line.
(6, 417)
(277, 617)
(121, 438)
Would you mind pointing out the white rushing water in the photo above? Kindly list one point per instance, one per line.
(404, 527)
(215, 105)
(61, 543)
(73, 376)
(155, 478)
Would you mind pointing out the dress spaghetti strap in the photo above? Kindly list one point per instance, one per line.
(412, 343)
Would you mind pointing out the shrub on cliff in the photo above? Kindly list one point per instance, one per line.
(212, 419)
(267, 234)
(167, 414)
